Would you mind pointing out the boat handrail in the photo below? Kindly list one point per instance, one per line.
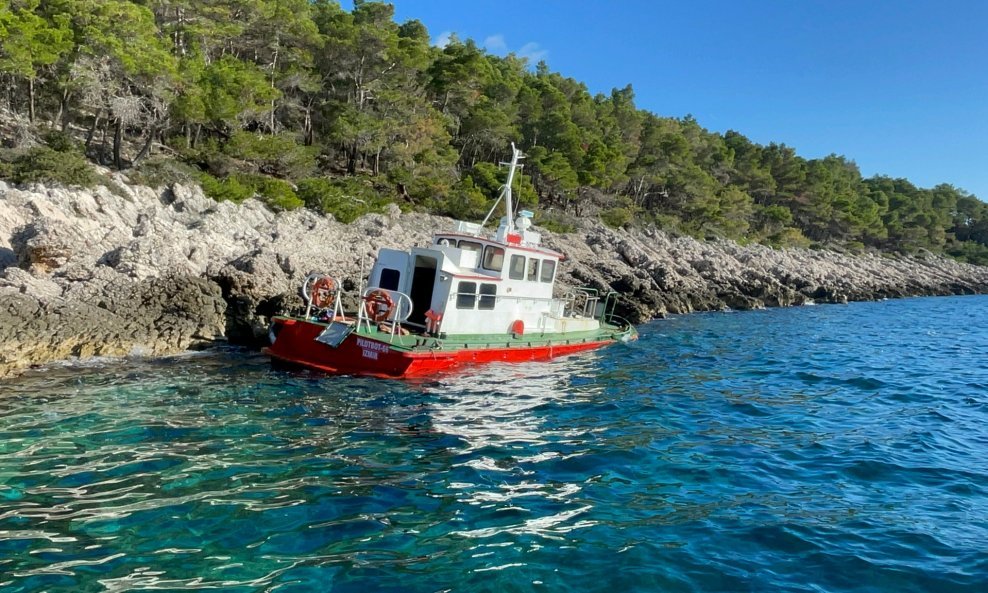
(327, 286)
(618, 322)
(588, 308)
(591, 307)
(609, 305)
(398, 310)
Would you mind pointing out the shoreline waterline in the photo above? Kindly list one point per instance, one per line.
(222, 346)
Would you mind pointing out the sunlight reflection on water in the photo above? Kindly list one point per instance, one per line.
(824, 449)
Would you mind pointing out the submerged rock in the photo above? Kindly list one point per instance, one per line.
(151, 272)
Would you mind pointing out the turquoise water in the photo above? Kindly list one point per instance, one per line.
(830, 448)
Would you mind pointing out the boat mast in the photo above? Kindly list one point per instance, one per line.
(516, 156)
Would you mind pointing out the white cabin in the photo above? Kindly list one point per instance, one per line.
(476, 284)
(480, 285)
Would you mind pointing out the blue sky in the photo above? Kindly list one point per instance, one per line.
(900, 87)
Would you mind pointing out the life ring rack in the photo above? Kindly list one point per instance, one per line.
(378, 305)
(387, 309)
(321, 292)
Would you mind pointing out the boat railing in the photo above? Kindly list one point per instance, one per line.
(607, 308)
(619, 322)
(582, 302)
(321, 293)
(388, 308)
(587, 302)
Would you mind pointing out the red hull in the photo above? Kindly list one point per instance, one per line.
(360, 354)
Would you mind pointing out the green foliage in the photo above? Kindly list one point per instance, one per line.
(556, 179)
(486, 178)
(164, 172)
(353, 106)
(467, 202)
(279, 155)
(43, 164)
(789, 237)
(234, 92)
(616, 217)
(667, 222)
(276, 193)
(855, 246)
(60, 141)
(229, 189)
(969, 252)
(347, 199)
(557, 224)
(31, 42)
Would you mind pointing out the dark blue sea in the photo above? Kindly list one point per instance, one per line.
(828, 448)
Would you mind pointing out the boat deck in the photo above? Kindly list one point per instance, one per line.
(415, 342)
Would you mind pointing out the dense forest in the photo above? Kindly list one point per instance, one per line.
(303, 103)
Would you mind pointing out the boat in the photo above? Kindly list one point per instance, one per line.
(469, 297)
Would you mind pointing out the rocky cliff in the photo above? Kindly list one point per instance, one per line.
(139, 271)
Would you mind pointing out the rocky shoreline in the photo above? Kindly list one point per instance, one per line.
(149, 272)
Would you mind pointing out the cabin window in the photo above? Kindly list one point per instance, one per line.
(389, 279)
(466, 295)
(516, 271)
(488, 296)
(548, 270)
(470, 246)
(533, 270)
(493, 258)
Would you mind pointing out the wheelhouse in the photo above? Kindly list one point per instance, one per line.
(461, 275)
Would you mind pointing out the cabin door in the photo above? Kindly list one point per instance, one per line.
(423, 284)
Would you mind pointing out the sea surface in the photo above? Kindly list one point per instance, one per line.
(828, 448)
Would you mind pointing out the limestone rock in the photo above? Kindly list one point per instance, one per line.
(98, 272)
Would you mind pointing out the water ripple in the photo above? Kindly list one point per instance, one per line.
(836, 448)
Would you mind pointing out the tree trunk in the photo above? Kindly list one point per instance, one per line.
(146, 150)
(7, 93)
(30, 102)
(63, 110)
(195, 139)
(117, 141)
(180, 31)
(102, 146)
(92, 130)
(307, 127)
(351, 160)
(274, 72)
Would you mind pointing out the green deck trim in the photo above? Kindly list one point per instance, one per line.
(421, 343)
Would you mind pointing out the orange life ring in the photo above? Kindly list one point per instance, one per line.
(323, 292)
(378, 304)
